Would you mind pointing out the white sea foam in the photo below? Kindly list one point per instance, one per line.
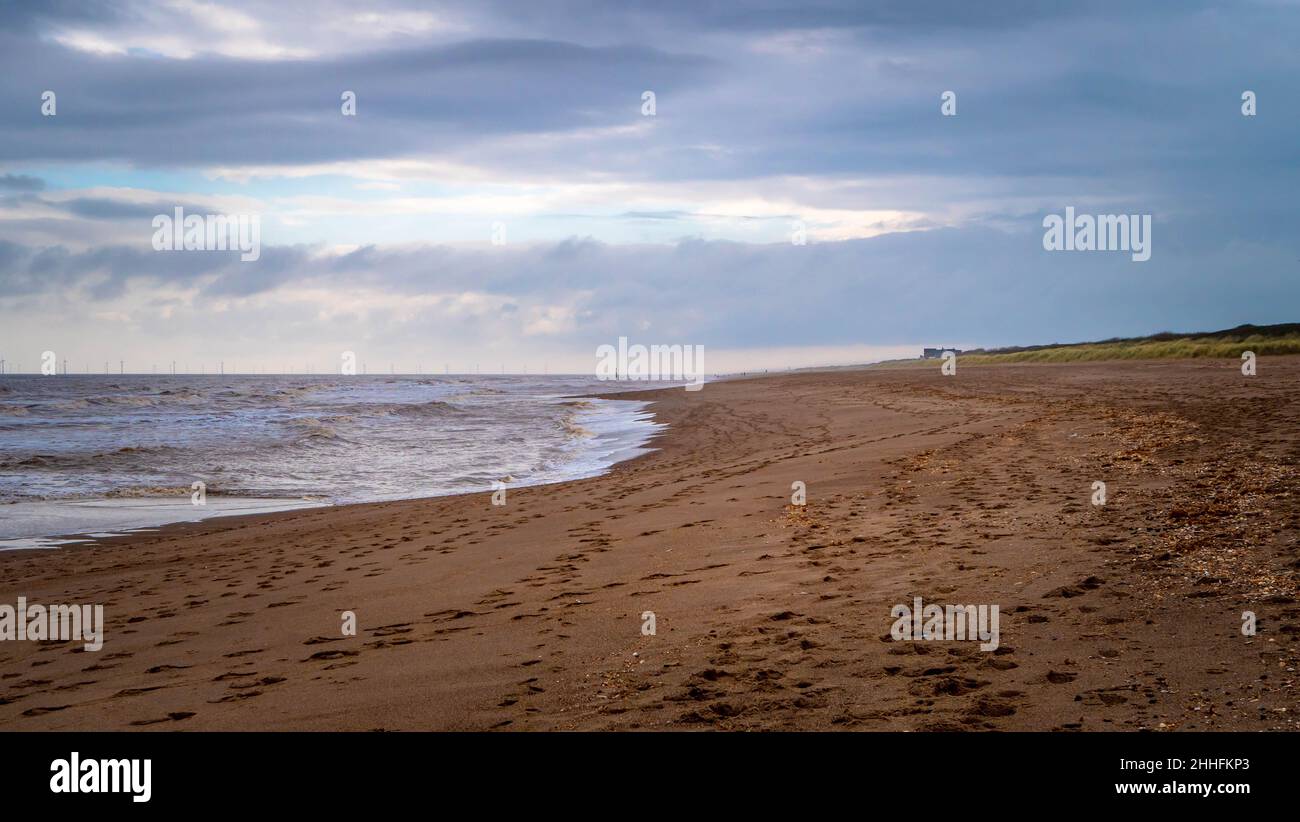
(91, 453)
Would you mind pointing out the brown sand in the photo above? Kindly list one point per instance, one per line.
(963, 490)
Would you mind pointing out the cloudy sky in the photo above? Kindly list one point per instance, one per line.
(676, 227)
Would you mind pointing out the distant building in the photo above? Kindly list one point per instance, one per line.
(936, 353)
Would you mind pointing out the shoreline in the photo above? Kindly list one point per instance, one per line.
(531, 615)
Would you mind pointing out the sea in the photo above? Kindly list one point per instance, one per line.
(94, 455)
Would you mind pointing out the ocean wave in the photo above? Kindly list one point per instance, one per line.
(424, 409)
(569, 422)
(138, 491)
(313, 429)
(345, 440)
(115, 400)
(264, 395)
(432, 408)
(187, 393)
(122, 456)
(32, 461)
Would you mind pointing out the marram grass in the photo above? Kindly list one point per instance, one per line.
(1149, 350)
(1184, 348)
(1222, 345)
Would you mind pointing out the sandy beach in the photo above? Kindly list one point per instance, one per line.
(975, 488)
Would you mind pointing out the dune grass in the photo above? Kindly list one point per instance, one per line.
(1270, 340)
(1183, 348)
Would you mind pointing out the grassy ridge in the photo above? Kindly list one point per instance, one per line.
(1262, 339)
(1152, 349)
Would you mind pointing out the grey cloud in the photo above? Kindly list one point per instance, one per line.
(1128, 101)
(216, 110)
(103, 208)
(37, 16)
(889, 16)
(979, 285)
(109, 270)
(1136, 106)
(21, 182)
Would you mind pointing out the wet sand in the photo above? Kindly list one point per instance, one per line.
(971, 489)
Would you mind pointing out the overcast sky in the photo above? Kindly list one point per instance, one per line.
(376, 229)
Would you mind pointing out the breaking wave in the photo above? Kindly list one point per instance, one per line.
(326, 438)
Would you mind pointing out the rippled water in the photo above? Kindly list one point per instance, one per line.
(334, 439)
